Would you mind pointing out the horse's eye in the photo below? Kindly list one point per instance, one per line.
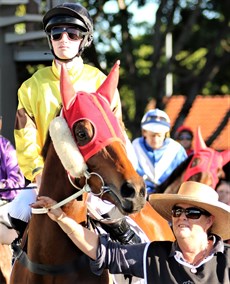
(195, 162)
(83, 132)
(81, 136)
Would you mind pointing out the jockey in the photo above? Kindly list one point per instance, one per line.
(10, 174)
(157, 154)
(69, 30)
(11, 177)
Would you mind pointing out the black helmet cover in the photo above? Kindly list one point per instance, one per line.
(72, 14)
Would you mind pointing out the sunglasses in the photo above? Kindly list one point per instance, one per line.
(72, 33)
(185, 137)
(190, 213)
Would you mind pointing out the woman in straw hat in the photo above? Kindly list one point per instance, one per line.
(200, 223)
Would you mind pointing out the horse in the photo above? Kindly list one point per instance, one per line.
(84, 153)
(205, 165)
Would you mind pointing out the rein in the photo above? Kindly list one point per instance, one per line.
(17, 188)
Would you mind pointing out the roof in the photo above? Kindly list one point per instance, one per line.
(206, 112)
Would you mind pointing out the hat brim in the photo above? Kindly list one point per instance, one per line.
(155, 128)
(163, 204)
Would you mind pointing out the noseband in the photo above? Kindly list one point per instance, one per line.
(86, 188)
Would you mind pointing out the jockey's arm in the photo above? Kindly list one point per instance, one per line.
(86, 240)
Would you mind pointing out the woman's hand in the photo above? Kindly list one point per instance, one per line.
(47, 202)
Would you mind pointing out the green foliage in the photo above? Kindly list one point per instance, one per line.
(192, 61)
(200, 55)
(20, 11)
(128, 102)
(143, 62)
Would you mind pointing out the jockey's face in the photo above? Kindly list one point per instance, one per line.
(155, 140)
(65, 46)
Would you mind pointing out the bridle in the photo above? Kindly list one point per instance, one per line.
(44, 269)
(86, 188)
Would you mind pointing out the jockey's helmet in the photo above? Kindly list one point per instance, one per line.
(156, 120)
(70, 14)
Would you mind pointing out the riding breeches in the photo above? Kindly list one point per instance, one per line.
(20, 208)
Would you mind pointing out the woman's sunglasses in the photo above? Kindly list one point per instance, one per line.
(190, 213)
(72, 33)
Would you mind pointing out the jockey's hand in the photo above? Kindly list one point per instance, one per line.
(47, 202)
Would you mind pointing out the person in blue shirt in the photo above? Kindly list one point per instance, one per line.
(158, 154)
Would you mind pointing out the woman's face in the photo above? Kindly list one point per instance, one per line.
(184, 227)
(155, 140)
(66, 46)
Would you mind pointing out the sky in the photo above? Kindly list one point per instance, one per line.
(146, 13)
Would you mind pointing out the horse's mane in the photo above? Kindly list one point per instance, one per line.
(176, 173)
(46, 146)
(48, 138)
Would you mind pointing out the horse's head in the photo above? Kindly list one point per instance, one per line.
(99, 144)
(206, 164)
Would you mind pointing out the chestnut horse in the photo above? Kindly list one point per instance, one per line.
(86, 152)
(205, 166)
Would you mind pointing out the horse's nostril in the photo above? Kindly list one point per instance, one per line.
(127, 190)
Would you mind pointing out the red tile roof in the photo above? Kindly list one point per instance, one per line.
(206, 112)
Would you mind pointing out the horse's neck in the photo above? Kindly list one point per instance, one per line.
(55, 183)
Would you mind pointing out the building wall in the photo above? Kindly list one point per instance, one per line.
(8, 82)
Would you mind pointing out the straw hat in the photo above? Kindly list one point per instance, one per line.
(198, 195)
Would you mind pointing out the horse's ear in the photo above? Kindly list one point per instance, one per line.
(66, 88)
(199, 141)
(225, 156)
(109, 86)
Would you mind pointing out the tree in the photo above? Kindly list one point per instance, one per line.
(200, 56)
(199, 60)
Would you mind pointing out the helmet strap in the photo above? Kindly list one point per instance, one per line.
(83, 45)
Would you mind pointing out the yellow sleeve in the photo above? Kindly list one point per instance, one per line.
(26, 137)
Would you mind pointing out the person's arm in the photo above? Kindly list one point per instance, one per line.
(83, 238)
(11, 176)
(27, 137)
(104, 254)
